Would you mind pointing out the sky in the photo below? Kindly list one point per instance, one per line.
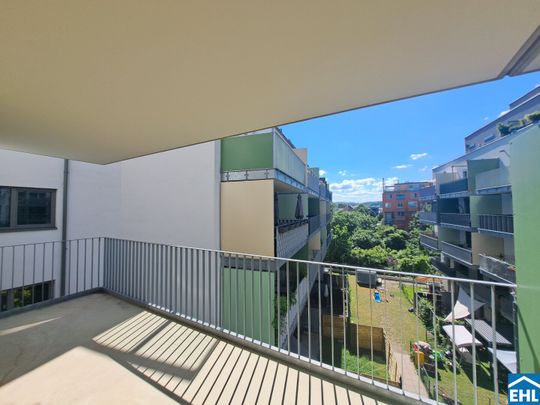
(402, 140)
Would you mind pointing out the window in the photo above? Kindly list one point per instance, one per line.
(389, 196)
(400, 205)
(401, 214)
(413, 204)
(26, 208)
(489, 138)
(387, 205)
(400, 196)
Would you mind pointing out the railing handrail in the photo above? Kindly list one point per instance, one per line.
(276, 258)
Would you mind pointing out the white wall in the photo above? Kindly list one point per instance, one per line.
(171, 198)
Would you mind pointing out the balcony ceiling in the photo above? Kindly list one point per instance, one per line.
(103, 81)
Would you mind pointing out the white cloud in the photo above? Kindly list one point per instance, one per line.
(423, 169)
(360, 190)
(416, 156)
(344, 173)
(486, 118)
(322, 172)
(400, 167)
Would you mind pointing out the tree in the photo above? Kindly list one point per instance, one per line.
(365, 238)
(397, 240)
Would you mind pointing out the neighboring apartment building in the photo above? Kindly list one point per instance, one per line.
(470, 213)
(272, 204)
(401, 201)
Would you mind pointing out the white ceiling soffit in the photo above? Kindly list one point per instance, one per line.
(103, 80)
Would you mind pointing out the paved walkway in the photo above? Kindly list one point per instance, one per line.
(409, 374)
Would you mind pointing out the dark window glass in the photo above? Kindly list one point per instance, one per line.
(5, 197)
(34, 207)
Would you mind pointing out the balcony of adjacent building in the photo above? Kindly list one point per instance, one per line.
(500, 268)
(496, 225)
(495, 181)
(313, 181)
(454, 189)
(161, 324)
(427, 194)
(454, 220)
(459, 252)
(428, 217)
(429, 240)
(262, 155)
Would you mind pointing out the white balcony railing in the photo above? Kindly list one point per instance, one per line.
(290, 241)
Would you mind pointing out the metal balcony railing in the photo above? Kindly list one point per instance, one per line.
(291, 240)
(313, 181)
(455, 219)
(501, 268)
(429, 241)
(427, 193)
(457, 186)
(462, 254)
(427, 217)
(493, 180)
(496, 223)
(256, 302)
(314, 223)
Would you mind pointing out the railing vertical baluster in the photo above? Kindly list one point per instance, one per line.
(416, 355)
(244, 292)
(371, 324)
(34, 273)
(261, 302)
(287, 307)
(331, 269)
(494, 364)
(344, 303)
(357, 316)
(92, 265)
(452, 296)
(278, 270)
(100, 267)
(23, 274)
(51, 288)
(435, 340)
(252, 306)
(13, 268)
(230, 292)
(320, 313)
(298, 314)
(270, 296)
(237, 293)
(308, 267)
(84, 267)
(403, 349)
(475, 387)
(77, 275)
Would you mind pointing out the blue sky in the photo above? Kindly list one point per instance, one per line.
(401, 140)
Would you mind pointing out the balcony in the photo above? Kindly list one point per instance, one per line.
(453, 189)
(314, 224)
(313, 181)
(493, 181)
(500, 269)
(460, 253)
(429, 241)
(427, 217)
(442, 267)
(290, 238)
(159, 323)
(427, 194)
(261, 156)
(455, 220)
(498, 225)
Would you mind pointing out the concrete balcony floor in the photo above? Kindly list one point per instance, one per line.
(99, 349)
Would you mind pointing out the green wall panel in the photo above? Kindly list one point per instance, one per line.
(247, 152)
(248, 302)
(525, 179)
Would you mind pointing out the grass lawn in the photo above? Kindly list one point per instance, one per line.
(402, 327)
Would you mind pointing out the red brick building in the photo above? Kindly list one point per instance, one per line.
(401, 201)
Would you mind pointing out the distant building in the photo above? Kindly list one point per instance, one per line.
(401, 201)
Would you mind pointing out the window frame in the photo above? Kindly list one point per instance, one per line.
(13, 210)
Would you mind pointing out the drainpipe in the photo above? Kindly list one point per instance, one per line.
(64, 229)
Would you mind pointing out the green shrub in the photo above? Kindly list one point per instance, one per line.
(533, 117)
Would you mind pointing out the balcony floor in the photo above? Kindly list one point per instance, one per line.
(99, 349)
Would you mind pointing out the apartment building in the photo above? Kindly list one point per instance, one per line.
(272, 204)
(469, 214)
(401, 201)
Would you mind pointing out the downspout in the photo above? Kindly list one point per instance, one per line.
(64, 229)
